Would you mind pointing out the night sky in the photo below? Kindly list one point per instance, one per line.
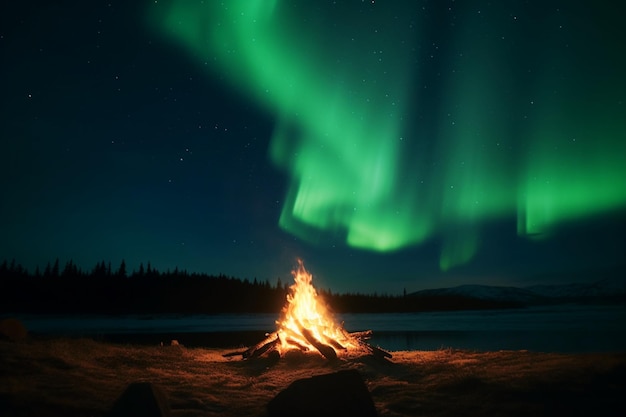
(389, 144)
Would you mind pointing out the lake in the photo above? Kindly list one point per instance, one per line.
(564, 328)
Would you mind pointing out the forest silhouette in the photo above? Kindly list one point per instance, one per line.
(107, 290)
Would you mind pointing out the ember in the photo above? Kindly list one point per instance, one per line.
(306, 324)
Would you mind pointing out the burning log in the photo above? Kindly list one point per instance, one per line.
(260, 348)
(377, 352)
(337, 345)
(272, 341)
(293, 342)
(367, 334)
(327, 351)
(360, 337)
(268, 347)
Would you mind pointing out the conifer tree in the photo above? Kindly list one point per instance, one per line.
(121, 271)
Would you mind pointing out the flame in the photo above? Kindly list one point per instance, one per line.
(306, 315)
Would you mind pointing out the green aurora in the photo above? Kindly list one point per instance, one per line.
(376, 158)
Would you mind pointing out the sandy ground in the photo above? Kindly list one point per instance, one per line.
(65, 377)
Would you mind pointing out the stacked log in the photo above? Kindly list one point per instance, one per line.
(361, 338)
(327, 351)
(269, 346)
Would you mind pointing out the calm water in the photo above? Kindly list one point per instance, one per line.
(549, 329)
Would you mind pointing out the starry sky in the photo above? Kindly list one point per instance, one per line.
(389, 144)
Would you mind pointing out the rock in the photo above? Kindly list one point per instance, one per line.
(141, 399)
(341, 393)
(12, 329)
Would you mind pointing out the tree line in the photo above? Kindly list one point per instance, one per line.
(69, 289)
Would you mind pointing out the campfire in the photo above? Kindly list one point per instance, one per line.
(306, 324)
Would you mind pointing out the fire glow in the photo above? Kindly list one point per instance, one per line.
(306, 325)
(306, 322)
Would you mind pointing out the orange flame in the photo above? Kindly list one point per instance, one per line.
(306, 315)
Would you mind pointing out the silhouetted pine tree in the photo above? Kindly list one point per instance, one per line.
(48, 271)
(121, 271)
(55, 269)
(70, 270)
(99, 271)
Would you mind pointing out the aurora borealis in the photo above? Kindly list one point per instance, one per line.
(545, 142)
(389, 144)
(340, 153)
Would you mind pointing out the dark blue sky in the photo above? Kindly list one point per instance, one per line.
(115, 143)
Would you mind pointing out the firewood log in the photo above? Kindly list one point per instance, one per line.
(377, 352)
(367, 334)
(297, 344)
(336, 344)
(272, 337)
(327, 351)
(235, 353)
(268, 347)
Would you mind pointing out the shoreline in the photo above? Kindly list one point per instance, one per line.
(199, 340)
(560, 342)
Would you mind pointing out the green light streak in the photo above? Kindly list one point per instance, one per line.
(574, 171)
(345, 132)
(575, 164)
(348, 116)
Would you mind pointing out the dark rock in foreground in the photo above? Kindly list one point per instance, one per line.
(338, 394)
(141, 399)
(12, 329)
